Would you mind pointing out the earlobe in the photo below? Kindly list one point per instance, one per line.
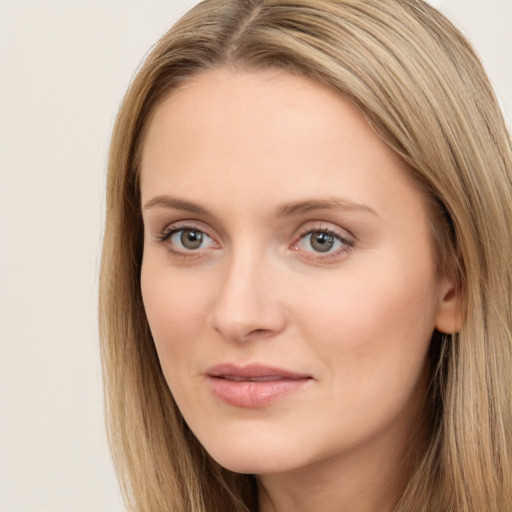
(449, 318)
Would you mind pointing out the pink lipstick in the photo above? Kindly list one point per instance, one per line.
(253, 385)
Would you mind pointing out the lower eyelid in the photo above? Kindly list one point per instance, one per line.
(337, 254)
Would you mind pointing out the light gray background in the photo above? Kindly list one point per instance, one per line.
(64, 66)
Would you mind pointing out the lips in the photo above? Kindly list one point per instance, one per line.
(254, 385)
(236, 378)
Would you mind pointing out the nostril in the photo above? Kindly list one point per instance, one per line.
(258, 333)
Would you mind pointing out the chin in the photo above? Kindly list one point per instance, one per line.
(256, 454)
(253, 464)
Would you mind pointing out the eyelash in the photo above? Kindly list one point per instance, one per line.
(347, 243)
(170, 231)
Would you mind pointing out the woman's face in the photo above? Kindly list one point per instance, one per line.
(288, 274)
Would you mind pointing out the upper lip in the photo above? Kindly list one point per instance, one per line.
(253, 371)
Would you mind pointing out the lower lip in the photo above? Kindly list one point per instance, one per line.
(252, 394)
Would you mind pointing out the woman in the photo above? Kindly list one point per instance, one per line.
(306, 275)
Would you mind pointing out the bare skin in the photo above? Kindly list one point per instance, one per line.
(282, 234)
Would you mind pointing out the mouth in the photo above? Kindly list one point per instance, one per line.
(236, 378)
(254, 385)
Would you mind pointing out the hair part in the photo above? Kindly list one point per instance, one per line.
(423, 90)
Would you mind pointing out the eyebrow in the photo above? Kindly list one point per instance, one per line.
(313, 205)
(175, 203)
(286, 210)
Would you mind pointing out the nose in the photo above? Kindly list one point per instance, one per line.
(247, 305)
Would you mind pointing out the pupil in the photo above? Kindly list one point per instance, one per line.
(191, 239)
(322, 242)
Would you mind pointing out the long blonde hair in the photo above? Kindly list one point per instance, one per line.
(424, 91)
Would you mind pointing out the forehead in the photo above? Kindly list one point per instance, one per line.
(270, 134)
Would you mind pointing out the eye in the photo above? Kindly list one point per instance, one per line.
(187, 239)
(323, 242)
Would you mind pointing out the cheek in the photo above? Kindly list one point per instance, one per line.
(175, 311)
(371, 336)
(377, 325)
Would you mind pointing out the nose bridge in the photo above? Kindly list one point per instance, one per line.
(246, 305)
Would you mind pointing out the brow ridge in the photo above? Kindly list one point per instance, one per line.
(311, 205)
(292, 209)
(165, 201)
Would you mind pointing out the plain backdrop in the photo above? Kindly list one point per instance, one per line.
(64, 66)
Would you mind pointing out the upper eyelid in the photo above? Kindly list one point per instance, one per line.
(346, 240)
(328, 227)
(187, 224)
(171, 230)
(334, 231)
(337, 235)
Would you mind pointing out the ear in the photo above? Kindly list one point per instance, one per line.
(449, 318)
